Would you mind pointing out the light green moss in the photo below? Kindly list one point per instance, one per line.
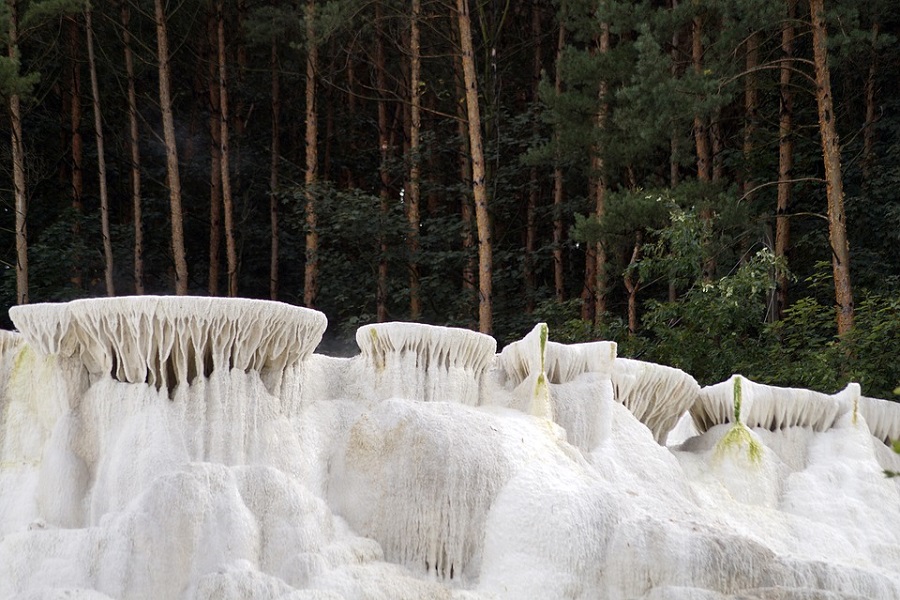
(545, 333)
(736, 438)
(379, 358)
(739, 435)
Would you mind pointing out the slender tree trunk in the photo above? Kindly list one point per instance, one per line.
(215, 153)
(173, 179)
(534, 188)
(674, 141)
(559, 280)
(701, 131)
(633, 283)
(834, 187)
(871, 117)
(598, 283)
(273, 169)
(415, 170)
(227, 201)
(785, 157)
(134, 146)
(751, 108)
(384, 147)
(101, 156)
(76, 145)
(311, 272)
(467, 212)
(18, 163)
(717, 141)
(479, 190)
(703, 144)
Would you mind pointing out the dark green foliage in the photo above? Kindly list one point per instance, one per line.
(710, 328)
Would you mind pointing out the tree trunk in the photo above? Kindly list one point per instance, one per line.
(467, 212)
(413, 189)
(273, 170)
(76, 145)
(559, 281)
(751, 109)
(215, 153)
(598, 285)
(173, 179)
(134, 147)
(633, 283)
(701, 131)
(704, 147)
(18, 163)
(871, 117)
(785, 157)
(533, 182)
(384, 148)
(311, 271)
(101, 157)
(834, 187)
(674, 142)
(479, 190)
(227, 202)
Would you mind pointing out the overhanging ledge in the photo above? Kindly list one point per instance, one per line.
(167, 340)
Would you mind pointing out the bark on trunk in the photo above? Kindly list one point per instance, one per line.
(559, 279)
(173, 179)
(311, 271)
(633, 283)
(227, 201)
(413, 189)
(785, 158)
(101, 156)
(871, 117)
(384, 148)
(751, 110)
(533, 181)
(703, 144)
(135, 151)
(18, 160)
(273, 170)
(479, 189)
(215, 153)
(834, 188)
(599, 282)
(76, 145)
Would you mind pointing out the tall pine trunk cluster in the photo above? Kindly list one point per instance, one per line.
(595, 165)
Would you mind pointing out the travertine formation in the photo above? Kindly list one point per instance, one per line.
(196, 448)
(167, 340)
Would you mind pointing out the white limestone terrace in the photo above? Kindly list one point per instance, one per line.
(882, 417)
(425, 467)
(425, 361)
(656, 395)
(167, 340)
(772, 407)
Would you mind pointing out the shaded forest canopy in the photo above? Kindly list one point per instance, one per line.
(715, 185)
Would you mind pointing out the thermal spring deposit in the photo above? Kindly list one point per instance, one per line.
(163, 447)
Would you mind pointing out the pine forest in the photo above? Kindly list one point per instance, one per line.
(712, 184)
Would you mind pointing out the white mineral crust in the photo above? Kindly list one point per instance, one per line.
(197, 448)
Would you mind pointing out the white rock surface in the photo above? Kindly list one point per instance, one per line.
(424, 467)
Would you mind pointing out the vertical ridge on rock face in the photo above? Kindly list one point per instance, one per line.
(427, 362)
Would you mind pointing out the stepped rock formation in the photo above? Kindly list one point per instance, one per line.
(162, 447)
